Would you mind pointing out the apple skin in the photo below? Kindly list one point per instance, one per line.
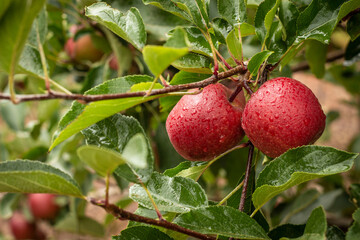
(113, 63)
(43, 205)
(203, 126)
(282, 114)
(83, 49)
(21, 228)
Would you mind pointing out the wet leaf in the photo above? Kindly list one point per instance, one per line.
(141, 233)
(172, 194)
(297, 166)
(257, 60)
(222, 220)
(234, 11)
(124, 135)
(128, 26)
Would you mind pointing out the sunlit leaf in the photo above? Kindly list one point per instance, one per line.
(158, 58)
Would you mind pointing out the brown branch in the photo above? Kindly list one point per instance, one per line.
(125, 215)
(93, 98)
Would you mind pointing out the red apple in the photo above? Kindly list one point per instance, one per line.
(83, 49)
(113, 63)
(283, 114)
(21, 228)
(203, 126)
(43, 205)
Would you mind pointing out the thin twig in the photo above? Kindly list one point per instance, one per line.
(125, 215)
(247, 176)
(93, 98)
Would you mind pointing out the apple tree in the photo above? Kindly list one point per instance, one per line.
(186, 109)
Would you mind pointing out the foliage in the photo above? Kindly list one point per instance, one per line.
(114, 128)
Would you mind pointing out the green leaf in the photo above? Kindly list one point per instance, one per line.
(353, 26)
(157, 21)
(197, 10)
(256, 61)
(286, 231)
(193, 38)
(136, 151)
(234, 11)
(39, 26)
(104, 161)
(158, 58)
(8, 204)
(141, 233)
(172, 172)
(194, 63)
(170, 7)
(334, 233)
(27, 176)
(221, 220)
(172, 194)
(320, 18)
(352, 52)
(30, 62)
(316, 225)
(347, 76)
(234, 44)
(264, 18)
(128, 26)
(354, 230)
(275, 42)
(15, 26)
(316, 57)
(298, 204)
(297, 166)
(177, 38)
(3, 6)
(288, 15)
(80, 225)
(124, 135)
(183, 77)
(81, 116)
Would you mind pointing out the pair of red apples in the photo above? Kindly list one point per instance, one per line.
(281, 115)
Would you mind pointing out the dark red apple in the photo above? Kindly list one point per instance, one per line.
(282, 114)
(43, 205)
(203, 126)
(21, 228)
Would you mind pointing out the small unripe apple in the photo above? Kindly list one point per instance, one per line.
(282, 114)
(43, 205)
(21, 228)
(203, 126)
(83, 49)
(113, 63)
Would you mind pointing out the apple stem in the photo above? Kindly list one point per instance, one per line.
(235, 93)
(247, 177)
(246, 86)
